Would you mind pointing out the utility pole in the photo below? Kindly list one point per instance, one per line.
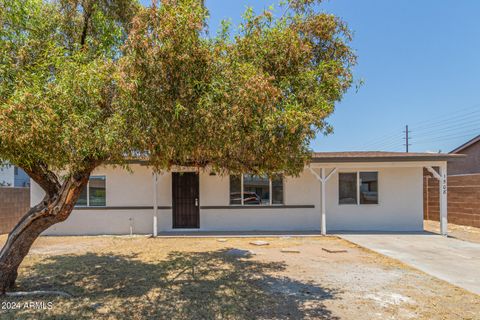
(407, 138)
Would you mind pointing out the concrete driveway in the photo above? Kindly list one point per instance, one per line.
(452, 260)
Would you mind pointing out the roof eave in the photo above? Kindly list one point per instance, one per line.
(450, 157)
(466, 145)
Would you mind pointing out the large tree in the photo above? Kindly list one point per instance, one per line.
(84, 83)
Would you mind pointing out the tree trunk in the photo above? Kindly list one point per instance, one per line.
(53, 209)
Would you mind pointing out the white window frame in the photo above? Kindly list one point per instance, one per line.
(358, 188)
(88, 193)
(269, 190)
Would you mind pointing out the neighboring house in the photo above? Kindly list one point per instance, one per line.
(21, 178)
(14, 197)
(362, 191)
(463, 185)
(469, 164)
(7, 176)
(12, 176)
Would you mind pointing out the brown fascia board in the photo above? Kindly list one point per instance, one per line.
(382, 157)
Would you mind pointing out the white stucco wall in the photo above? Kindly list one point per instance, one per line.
(400, 205)
(399, 208)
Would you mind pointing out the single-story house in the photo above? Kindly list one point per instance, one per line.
(470, 164)
(351, 191)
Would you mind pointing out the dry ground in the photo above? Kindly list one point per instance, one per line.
(466, 233)
(195, 278)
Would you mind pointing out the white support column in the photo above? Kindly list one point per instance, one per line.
(323, 185)
(443, 195)
(443, 200)
(324, 218)
(241, 189)
(155, 203)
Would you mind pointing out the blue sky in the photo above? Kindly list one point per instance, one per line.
(420, 64)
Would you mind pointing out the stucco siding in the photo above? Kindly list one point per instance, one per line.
(214, 190)
(399, 209)
(400, 205)
(260, 219)
(95, 222)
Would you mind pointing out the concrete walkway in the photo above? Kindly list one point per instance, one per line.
(452, 260)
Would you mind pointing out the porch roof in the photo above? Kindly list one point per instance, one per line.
(380, 156)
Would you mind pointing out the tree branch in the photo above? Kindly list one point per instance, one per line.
(87, 13)
(45, 178)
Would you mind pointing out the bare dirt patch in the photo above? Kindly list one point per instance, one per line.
(195, 278)
(466, 233)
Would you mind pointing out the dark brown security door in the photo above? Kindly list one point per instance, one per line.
(185, 200)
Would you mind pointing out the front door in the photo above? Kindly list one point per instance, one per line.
(185, 200)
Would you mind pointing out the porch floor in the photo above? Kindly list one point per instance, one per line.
(236, 234)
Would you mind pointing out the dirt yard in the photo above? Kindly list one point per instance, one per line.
(201, 278)
(466, 233)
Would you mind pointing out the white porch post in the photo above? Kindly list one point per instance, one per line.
(442, 193)
(323, 184)
(443, 200)
(155, 203)
(324, 218)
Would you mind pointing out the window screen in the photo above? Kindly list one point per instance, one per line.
(347, 192)
(368, 187)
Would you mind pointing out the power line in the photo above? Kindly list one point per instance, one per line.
(448, 116)
(394, 140)
(453, 129)
(398, 143)
(384, 139)
(434, 129)
(448, 137)
(463, 119)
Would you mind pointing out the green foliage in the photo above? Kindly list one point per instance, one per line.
(58, 88)
(94, 81)
(248, 102)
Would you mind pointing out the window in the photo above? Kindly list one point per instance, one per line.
(347, 188)
(277, 189)
(82, 201)
(368, 187)
(358, 188)
(235, 189)
(94, 194)
(256, 190)
(250, 189)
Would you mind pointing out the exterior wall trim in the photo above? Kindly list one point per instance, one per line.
(234, 207)
(300, 206)
(123, 208)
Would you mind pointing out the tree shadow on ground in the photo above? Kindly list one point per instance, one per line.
(199, 285)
